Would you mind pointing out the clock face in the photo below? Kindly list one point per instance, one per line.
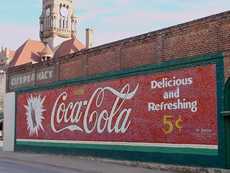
(47, 11)
(64, 11)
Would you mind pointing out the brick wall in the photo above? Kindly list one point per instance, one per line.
(202, 36)
(227, 64)
(70, 68)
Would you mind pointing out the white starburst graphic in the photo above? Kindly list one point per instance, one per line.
(34, 113)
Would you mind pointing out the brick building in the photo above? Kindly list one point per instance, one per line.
(192, 44)
(199, 37)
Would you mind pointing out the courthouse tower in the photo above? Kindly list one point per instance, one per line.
(57, 22)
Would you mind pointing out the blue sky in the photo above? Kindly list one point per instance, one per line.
(111, 19)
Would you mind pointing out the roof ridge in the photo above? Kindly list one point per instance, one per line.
(18, 52)
(23, 46)
(37, 41)
(21, 50)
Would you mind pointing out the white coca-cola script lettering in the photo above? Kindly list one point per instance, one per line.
(92, 120)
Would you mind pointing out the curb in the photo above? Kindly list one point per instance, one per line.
(151, 166)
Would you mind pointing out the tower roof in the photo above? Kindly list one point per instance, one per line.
(69, 46)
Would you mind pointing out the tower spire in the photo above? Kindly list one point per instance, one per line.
(57, 22)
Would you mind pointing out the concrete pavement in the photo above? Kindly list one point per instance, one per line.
(39, 163)
(12, 166)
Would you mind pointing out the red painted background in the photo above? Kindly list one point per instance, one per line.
(180, 126)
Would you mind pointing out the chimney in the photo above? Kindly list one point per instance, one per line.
(7, 52)
(89, 38)
(2, 51)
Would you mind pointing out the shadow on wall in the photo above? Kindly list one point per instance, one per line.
(1, 126)
(227, 121)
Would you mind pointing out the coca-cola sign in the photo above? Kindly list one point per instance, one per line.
(169, 107)
(72, 112)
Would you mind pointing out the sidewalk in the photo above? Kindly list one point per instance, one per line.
(79, 164)
(98, 165)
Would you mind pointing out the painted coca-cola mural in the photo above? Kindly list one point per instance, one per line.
(166, 108)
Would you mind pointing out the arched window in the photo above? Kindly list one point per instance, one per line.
(54, 22)
(41, 26)
(45, 24)
(60, 23)
(48, 22)
(67, 23)
(51, 22)
(63, 23)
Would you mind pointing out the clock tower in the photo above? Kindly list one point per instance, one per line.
(57, 22)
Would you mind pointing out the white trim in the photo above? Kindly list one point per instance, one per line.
(9, 122)
(198, 146)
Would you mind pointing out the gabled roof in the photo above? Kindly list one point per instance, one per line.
(31, 51)
(69, 46)
(27, 53)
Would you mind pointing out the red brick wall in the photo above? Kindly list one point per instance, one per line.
(70, 68)
(207, 35)
(138, 52)
(195, 40)
(103, 61)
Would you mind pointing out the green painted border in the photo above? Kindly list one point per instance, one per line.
(220, 108)
(174, 150)
(227, 95)
(184, 157)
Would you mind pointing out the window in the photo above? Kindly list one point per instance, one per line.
(63, 23)
(60, 23)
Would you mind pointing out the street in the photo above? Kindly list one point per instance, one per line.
(48, 163)
(10, 166)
